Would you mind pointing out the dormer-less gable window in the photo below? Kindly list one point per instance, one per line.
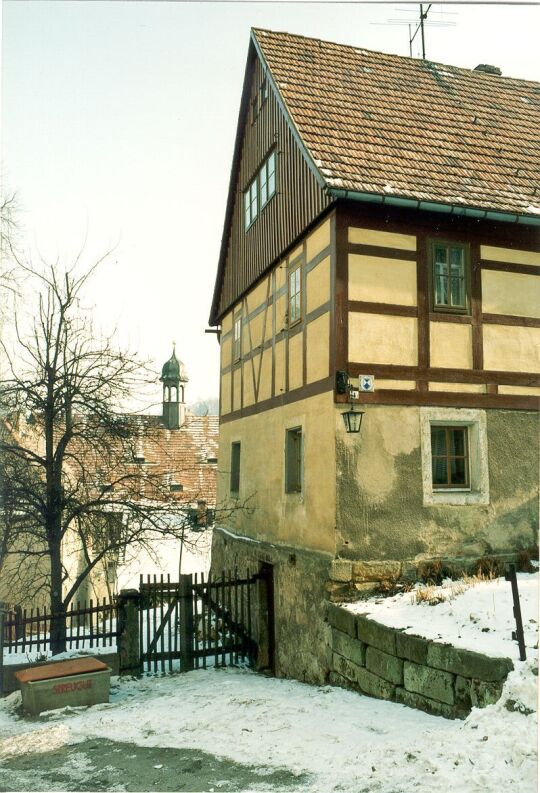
(268, 179)
(258, 100)
(260, 190)
(251, 203)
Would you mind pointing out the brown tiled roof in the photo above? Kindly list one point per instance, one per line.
(182, 454)
(401, 127)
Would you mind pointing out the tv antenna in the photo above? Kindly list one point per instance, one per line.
(423, 23)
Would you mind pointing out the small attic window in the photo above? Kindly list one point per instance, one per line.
(211, 459)
(176, 487)
(258, 100)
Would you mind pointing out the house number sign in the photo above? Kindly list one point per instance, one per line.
(366, 383)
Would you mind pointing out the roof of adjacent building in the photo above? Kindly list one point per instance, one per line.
(387, 125)
(187, 455)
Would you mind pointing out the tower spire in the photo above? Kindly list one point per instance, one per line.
(174, 378)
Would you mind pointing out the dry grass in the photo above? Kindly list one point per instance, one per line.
(432, 595)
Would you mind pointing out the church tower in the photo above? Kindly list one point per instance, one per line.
(174, 379)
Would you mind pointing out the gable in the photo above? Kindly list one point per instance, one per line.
(403, 131)
(299, 198)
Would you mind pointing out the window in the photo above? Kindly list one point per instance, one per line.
(176, 487)
(258, 101)
(237, 338)
(450, 277)
(260, 190)
(235, 467)
(264, 91)
(251, 203)
(267, 180)
(454, 448)
(293, 460)
(295, 295)
(449, 457)
(254, 108)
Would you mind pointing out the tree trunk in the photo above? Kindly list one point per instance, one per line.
(58, 622)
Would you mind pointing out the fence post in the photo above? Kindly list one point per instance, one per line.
(19, 627)
(187, 642)
(128, 632)
(2, 615)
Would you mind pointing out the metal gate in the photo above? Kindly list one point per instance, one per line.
(197, 622)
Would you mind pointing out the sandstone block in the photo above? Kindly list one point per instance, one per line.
(468, 663)
(341, 618)
(484, 694)
(379, 636)
(376, 571)
(374, 685)
(337, 680)
(414, 648)
(384, 665)
(432, 683)
(462, 690)
(345, 668)
(432, 706)
(350, 648)
(341, 570)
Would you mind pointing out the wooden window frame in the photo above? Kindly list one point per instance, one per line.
(294, 468)
(448, 428)
(264, 172)
(293, 269)
(432, 279)
(237, 340)
(236, 453)
(249, 216)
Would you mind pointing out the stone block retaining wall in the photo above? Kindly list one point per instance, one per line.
(388, 664)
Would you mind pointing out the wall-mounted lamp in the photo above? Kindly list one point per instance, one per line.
(351, 418)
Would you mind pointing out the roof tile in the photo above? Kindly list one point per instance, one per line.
(381, 123)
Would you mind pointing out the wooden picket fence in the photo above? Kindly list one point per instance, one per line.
(89, 624)
(196, 622)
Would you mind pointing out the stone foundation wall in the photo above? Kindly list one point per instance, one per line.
(388, 664)
(352, 579)
(302, 635)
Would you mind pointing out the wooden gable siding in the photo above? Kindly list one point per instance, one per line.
(298, 201)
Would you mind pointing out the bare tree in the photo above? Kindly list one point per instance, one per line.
(69, 469)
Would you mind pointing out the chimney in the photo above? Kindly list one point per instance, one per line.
(488, 69)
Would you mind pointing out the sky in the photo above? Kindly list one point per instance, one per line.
(118, 125)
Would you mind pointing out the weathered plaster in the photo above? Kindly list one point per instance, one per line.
(475, 420)
(381, 514)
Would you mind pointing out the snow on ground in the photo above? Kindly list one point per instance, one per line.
(330, 739)
(339, 740)
(476, 615)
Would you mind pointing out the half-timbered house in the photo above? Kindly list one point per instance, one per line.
(383, 220)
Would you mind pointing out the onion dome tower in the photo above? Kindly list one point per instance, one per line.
(174, 379)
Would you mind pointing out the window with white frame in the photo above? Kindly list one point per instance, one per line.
(251, 203)
(295, 294)
(237, 338)
(260, 190)
(454, 456)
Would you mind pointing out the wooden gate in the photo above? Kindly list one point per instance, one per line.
(197, 622)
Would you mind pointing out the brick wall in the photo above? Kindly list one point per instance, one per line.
(388, 664)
